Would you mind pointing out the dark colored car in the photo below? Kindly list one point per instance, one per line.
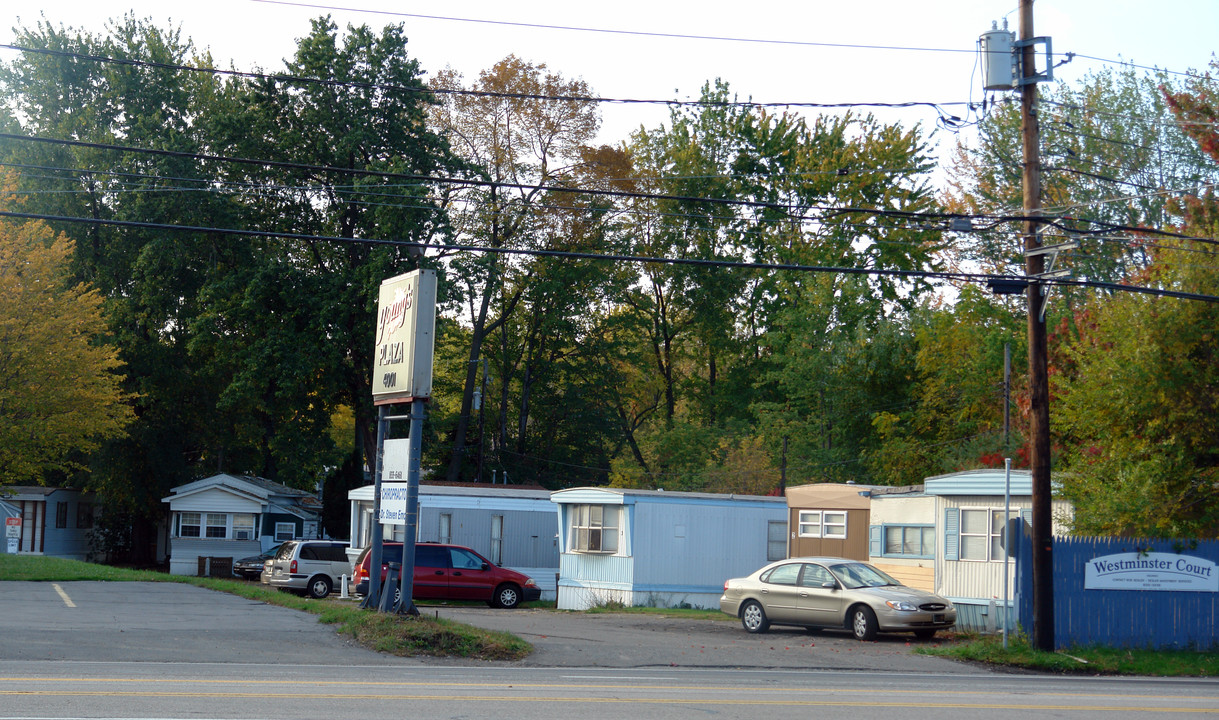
(251, 567)
(453, 572)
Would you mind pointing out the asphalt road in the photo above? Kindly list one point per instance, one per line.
(160, 650)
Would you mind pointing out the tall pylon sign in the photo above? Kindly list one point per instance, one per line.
(406, 323)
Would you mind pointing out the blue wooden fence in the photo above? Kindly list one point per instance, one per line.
(1119, 618)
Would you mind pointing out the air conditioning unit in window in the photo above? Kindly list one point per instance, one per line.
(241, 534)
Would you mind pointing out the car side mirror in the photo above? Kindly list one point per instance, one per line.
(485, 566)
(829, 585)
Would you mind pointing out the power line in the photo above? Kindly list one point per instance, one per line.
(1061, 222)
(1124, 143)
(1139, 244)
(1120, 116)
(634, 33)
(574, 255)
(353, 191)
(473, 182)
(433, 91)
(683, 36)
(1126, 63)
(1126, 198)
(1098, 176)
(839, 172)
(1155, 173)
(734, 231)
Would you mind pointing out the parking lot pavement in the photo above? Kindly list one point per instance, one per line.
(162, 622)
(170, 622)
(623, 640)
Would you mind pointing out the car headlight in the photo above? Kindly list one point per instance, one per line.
(530, 583)
(902, 605)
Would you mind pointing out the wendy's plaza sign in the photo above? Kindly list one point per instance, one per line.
(406, 320)
(1151, 571)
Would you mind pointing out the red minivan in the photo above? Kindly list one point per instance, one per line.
(453, 572)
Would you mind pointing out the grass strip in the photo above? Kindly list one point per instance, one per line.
(989, 650)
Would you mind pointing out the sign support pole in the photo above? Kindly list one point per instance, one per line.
(406, 581)
(378, 535)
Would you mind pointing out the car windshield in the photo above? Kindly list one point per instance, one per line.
(858, 575)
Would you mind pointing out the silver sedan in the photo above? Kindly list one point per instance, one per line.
(819, 592)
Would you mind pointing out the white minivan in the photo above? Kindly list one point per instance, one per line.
(313, 566)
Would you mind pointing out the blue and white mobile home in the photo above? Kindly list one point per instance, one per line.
(661, 549)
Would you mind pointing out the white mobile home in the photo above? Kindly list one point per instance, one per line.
(511, 526)
(661, 549)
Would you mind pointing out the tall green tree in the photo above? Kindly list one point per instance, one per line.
(518, 145)
(1112, 153)
(838, 347)
(1136, 415)
(738, 353)
(954, 419)
(351, 112)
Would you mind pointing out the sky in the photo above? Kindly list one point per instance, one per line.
(637, 55)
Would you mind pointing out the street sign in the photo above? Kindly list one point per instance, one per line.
(12, 527)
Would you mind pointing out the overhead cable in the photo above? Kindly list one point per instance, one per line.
(428, 90)
(1063, 222)
(634, 33)
(573, 255)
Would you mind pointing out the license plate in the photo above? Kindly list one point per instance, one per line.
(937, 618)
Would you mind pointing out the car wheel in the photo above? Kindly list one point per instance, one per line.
(319, 587)
(863, 623)
(753, 617)
(926, 634)
(506, 596)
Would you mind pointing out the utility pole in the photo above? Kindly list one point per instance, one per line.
(1039, 386)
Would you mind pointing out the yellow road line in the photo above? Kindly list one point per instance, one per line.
(639, 701)
(584, 686)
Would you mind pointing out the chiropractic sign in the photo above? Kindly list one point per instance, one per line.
(394, 485)
(1151, 571)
